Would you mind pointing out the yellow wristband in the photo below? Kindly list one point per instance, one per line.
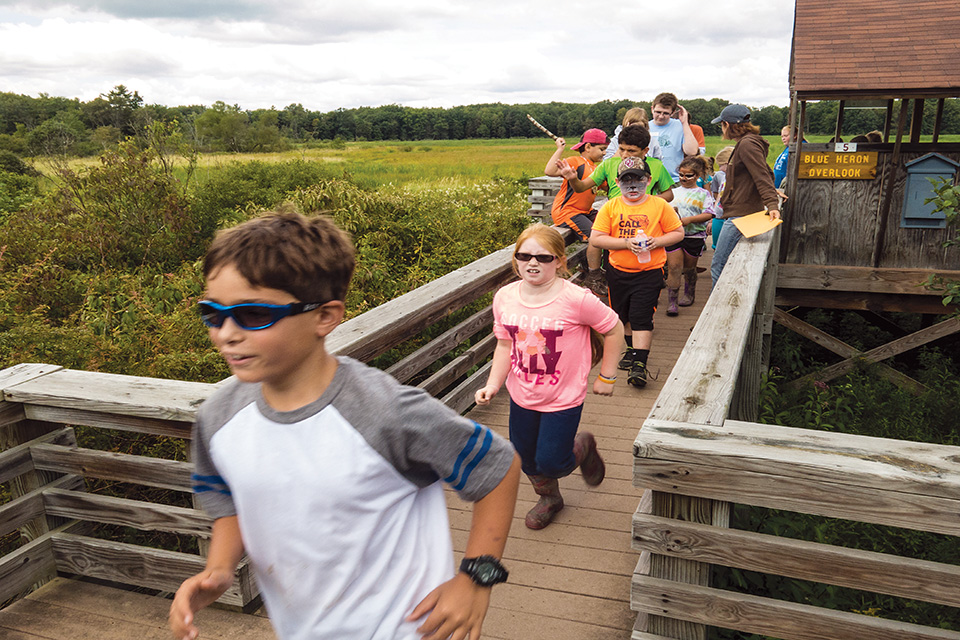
(606, 380)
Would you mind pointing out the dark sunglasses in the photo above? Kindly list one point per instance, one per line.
(543, 258)
(251, 316)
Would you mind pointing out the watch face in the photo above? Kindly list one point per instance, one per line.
(486, 572)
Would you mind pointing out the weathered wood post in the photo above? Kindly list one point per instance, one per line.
(716, 377)
(36, 565)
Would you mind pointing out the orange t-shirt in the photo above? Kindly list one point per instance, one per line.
(568, 202)
(621, 220)
(698, 134)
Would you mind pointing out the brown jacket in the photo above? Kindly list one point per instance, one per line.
(749, 186)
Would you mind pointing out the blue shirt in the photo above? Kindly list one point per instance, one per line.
(780, 167)
(670, 140)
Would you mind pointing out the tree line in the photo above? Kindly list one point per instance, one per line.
(47, 125)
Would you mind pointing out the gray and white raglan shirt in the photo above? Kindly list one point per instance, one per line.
(339, 502)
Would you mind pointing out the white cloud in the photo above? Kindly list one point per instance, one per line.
(370, 52)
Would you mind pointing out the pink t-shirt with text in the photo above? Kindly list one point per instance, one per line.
(550, 344)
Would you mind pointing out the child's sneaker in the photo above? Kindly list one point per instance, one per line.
(638, 374)
(626, 362)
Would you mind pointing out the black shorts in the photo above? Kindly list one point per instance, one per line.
(634, 296)
(693, 247)
(581, 224)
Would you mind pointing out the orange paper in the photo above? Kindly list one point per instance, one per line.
(755, 223)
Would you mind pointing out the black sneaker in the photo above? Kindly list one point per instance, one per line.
(638, 375)
(626, 362)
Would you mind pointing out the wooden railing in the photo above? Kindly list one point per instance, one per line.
(700, 450)
(48, 472)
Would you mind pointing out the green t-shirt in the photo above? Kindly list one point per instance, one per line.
(660, 179)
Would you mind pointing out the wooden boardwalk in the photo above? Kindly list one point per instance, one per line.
(570, 581)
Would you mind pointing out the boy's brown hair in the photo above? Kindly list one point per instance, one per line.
(665, 100)
(308, 257)
(636, 135)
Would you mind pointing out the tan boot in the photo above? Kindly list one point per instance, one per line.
(549, 504)
(588, 458)
(689, 287)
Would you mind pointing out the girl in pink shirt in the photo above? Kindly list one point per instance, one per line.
(543, 324)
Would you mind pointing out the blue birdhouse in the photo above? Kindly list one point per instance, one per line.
(921, 174)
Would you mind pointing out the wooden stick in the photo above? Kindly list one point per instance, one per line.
(541, 127)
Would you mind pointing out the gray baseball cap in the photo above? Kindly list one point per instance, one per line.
(733, 113)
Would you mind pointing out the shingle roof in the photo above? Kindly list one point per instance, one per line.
(877, 48)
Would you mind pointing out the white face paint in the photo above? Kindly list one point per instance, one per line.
(633, 189)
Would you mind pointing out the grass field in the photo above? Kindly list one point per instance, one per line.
(376, 163)
(373, 164)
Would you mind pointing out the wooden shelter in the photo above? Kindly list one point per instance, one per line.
(889, 55)
(857, 231)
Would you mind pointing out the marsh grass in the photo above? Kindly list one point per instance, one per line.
(374, 164)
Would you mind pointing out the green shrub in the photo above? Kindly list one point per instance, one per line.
(16, 192)
(125, 212)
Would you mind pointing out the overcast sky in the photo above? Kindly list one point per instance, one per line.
(420, 53)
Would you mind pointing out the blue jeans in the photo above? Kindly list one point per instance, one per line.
(729, 237)
(544, 439)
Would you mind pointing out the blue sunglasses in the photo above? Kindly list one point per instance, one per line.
(252, 316)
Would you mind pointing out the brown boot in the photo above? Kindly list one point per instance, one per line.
(588, 458)
(549, 504)
(595, 283)
(672, 301)
(689, 287)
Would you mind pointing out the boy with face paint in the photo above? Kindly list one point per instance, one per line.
(635, 286)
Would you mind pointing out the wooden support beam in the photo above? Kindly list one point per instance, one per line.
(765, 616)
(850, 300)
(841, 566)
(887, 121)
(462, 396)
(833, 498)
(16, 460)
(843, 349)
(898, 346)
(147, 516)
(442, 344)
(915, 468)
(938, 120)
(110, 393)
(446, 376)
(22, 510)
(890, 176)
(859, 279)
(916, 121)
(120, 467)
(378, 330)
(839, 130)
(136, 565)
(701, 390)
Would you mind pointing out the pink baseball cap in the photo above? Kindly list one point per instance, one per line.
(593, 136)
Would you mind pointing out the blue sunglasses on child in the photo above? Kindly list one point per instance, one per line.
(251, 316)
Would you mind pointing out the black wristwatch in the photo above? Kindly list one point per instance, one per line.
(485, 571)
